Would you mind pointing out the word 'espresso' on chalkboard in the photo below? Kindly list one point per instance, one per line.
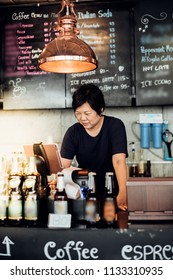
(154, 55)
(103, 28)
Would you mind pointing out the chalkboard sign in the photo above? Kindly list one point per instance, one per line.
(154, 53)
(26, 30)
(136, 243)
(107, 30)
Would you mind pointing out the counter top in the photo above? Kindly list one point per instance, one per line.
(162, 179)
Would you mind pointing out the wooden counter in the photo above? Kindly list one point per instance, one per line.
(150, 198)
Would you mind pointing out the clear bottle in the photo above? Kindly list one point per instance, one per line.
(30, 190)
(133, 170)
(52, 185)
(3, 192)
(60, 198)
(84, 190)
(92, 205)
(141, 164)
(15, 205)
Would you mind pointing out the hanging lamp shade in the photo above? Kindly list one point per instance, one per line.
(67, 53)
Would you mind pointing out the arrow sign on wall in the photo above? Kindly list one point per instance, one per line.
(7, 242)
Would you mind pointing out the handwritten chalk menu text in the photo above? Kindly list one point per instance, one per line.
(154, 53)
(133, 44)
(106, 29)
(26, 31)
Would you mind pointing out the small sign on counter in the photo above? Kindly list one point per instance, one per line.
(59, 220)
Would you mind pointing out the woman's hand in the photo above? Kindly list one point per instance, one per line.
(122, 201)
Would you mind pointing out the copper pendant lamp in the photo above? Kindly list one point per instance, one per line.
(67, 53)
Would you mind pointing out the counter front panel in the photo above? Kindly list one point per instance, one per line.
(153, 242)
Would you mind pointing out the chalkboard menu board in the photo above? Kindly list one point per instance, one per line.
(107, 30)
(27, 29)
(154, 53)
(1, 69)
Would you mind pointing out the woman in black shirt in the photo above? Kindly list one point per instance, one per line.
(98, 141)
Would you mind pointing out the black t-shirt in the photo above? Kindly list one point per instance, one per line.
(95, 153)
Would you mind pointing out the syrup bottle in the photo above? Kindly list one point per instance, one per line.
(60, 198)
(92, 205)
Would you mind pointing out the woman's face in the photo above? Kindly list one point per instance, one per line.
(86, 116)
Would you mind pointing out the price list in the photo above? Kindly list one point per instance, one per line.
(112, 43)
(25, 37)
(103, 28)
(27, 30)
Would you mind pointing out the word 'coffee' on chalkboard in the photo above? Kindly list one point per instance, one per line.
(154, 53)
(106, 29)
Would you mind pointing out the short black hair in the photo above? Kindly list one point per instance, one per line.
(91, 94)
